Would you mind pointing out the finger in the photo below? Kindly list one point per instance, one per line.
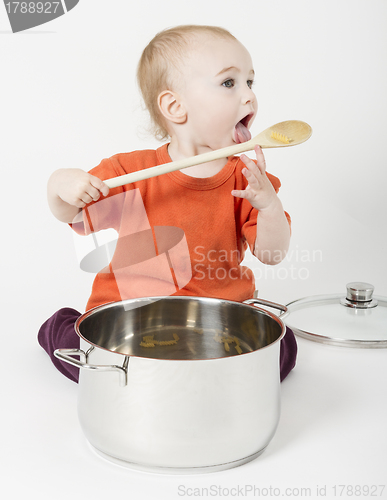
(86, 198)
(94, 193)
(252, 177)
(249, 163)
(79, 204)
(239, 194)
(252, 167)
(100, 185)
(104, 189)
(261, 162)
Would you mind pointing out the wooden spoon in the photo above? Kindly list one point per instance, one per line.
(294, 130)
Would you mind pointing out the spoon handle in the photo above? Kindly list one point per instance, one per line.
(180, 164)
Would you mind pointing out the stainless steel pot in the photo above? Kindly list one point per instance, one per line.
(179, 384)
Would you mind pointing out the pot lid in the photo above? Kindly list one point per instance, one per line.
(357, 319)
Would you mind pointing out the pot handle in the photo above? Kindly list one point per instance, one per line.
(267, 303)
(66, 355)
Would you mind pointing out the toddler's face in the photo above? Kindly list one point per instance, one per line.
(217, 93)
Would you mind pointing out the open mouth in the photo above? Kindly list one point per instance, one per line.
(241, 131)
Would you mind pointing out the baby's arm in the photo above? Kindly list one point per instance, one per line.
(273, 231)
(71, 189)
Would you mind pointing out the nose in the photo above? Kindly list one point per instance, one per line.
(248, 95)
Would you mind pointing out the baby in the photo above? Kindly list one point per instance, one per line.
(197, 84)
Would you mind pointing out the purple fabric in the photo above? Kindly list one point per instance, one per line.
(288, 353)
(58, 332)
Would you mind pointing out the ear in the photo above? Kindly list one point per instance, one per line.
(171, 106)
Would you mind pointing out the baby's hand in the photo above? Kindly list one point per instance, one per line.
(259, 192)
(78, 188)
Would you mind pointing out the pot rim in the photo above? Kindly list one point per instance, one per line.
(109, 305)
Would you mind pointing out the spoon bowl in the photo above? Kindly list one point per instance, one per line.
(296, 131)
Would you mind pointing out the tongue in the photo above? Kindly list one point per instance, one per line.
(241, 133)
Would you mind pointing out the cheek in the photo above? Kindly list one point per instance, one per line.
(199, 104)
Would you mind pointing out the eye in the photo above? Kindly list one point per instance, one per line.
(250, 83)
(229, 83)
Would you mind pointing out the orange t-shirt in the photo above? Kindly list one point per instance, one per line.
(177, 235)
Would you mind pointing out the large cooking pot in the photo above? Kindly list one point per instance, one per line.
(179, 384)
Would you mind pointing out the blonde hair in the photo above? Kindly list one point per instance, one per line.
(163, 54)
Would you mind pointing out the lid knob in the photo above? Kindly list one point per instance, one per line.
(359, 292)
(359, 295)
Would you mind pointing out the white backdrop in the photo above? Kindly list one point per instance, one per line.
(69, 99)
